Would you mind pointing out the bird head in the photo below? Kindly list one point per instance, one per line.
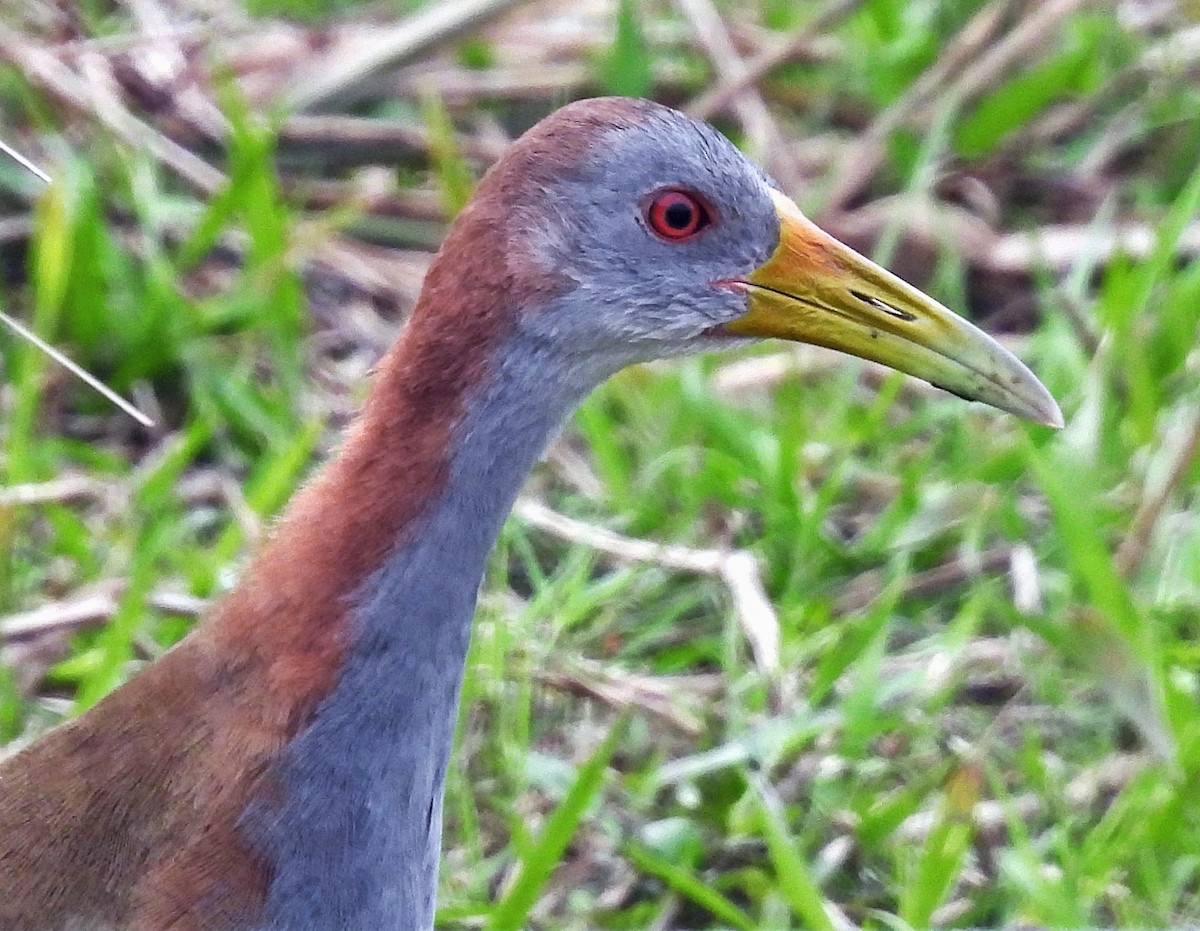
(657, 237)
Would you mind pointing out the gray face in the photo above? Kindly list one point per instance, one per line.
(638, 295)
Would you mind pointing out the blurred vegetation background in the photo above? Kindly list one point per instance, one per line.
(969, 696)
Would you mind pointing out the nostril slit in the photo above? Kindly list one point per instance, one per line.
(887, 308)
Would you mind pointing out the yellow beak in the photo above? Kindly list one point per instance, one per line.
(815, 290)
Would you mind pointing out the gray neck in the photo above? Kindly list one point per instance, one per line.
(355, 843)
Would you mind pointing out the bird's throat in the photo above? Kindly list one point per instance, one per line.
(355, 838)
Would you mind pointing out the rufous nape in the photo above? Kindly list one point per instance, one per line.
(282, 767)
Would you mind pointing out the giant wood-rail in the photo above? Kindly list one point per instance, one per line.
(282, 767)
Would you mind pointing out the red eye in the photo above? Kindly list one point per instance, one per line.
(676, 215)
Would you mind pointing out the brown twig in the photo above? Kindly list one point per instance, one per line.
(343, 71)
(656, 695)
(722, 94)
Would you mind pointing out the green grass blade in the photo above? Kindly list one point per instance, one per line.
(546, 852)
(945, 851)
(115, 646)
(1109, 637)
(454, 177)
(272, 484)
(690, 886)
(627, 69)
(796, 881)
(1088, 557)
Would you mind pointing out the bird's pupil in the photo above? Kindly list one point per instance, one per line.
(678, 215)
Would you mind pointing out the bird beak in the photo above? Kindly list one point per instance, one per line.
(815, 290)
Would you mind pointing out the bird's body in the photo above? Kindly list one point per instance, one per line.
(282, 767)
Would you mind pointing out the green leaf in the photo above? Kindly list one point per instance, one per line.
(627, 69)
(1019, 101)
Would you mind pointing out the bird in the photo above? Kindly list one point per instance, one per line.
(282, 766)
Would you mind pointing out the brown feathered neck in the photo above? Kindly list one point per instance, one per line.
(395, 459)
(129, 816)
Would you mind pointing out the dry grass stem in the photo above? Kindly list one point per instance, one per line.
(68, 489)
(91, 610)
(862, 591)
(660, 696)
(340, 139)
(24, 162)
(95, 95)
(78, 371)
(1137, 539)
(970, 64)
(1059, 248)
(1031, 35)
(1053, 247)
(343, 70)
(730, 86)
(737, 569)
